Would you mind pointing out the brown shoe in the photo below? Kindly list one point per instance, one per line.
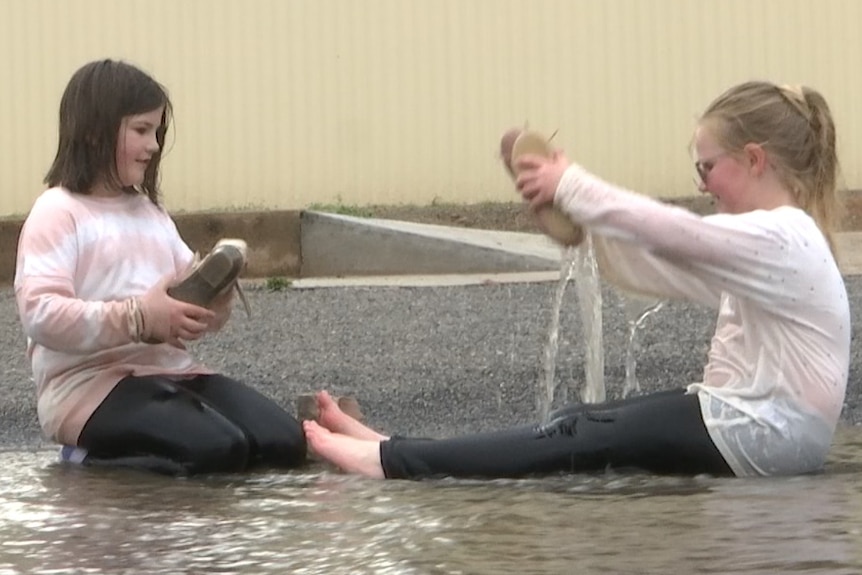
(551, 220)
(306, 407)
(350, 406)
(214, 275)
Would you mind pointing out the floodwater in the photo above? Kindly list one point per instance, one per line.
(56, 519)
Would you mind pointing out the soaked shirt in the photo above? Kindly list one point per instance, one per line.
(80, 258)
(774, 385)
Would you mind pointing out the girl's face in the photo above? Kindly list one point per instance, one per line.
(136, 145)
(722, 174)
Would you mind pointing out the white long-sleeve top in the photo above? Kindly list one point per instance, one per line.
(774, 384)
(80, 258)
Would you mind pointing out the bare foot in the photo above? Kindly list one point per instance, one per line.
(333, 418)
(358, 456)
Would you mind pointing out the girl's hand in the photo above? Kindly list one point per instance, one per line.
(539, 177)
(168, 320)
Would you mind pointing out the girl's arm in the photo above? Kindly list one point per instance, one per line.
(51, 313)
(53, 317)
(652, 248)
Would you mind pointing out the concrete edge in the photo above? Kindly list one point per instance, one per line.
(336, 245)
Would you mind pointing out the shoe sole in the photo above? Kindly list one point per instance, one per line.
(213, 276)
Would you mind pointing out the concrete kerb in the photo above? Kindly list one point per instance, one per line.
(342, 251)
(343, 246)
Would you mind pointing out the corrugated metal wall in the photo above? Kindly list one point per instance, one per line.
(285, 103)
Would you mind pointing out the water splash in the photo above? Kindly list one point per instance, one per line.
(548, 382)
(581, 263)
(637, 311)
(590, 303)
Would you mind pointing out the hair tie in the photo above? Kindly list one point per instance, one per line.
(795, 96)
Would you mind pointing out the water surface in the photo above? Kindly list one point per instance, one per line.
(56, 519)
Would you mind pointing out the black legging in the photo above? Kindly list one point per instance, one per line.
(207, 424)
(660, 433)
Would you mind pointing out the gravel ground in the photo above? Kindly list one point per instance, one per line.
(427, 361)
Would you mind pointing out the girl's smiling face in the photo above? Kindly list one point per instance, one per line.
(136, 146)
(721, 173)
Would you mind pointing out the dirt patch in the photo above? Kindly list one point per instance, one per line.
(515, 217)
(489, 216)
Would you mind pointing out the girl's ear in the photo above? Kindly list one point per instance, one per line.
(756, 156)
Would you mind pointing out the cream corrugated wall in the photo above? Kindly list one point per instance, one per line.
(285, 103)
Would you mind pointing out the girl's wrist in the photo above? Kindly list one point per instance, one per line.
(135, 319)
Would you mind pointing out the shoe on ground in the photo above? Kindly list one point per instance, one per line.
(306, 407)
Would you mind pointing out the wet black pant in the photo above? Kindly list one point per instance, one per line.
(207, 424)
(660, 433)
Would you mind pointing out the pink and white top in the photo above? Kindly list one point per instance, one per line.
(774, 385)
(80, 260)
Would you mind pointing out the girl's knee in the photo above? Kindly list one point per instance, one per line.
(228, 452)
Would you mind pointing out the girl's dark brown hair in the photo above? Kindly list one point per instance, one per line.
(97, 98)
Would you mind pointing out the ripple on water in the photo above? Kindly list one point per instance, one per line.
(56, 519)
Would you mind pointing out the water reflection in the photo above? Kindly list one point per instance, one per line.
(55, 519)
